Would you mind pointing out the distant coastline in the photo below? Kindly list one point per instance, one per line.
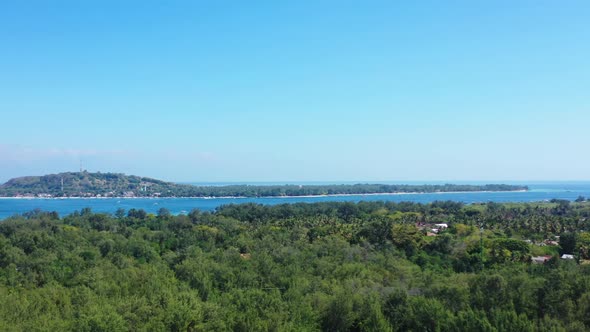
(84, 184)
(262, 197)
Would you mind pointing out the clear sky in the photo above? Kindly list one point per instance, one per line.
(297, 90)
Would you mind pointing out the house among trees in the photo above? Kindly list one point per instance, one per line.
(541, 259)
(438, 227)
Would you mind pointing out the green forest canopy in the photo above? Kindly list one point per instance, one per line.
(369, 266)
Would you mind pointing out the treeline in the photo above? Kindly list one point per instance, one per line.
(370, 266)
(85, 184)
(341, 189)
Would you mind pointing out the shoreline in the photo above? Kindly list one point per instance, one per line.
(261, 197)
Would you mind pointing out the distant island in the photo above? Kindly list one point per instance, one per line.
(96, 185)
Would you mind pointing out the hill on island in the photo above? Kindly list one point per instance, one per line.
(86, 184)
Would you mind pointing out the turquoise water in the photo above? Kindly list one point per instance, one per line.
(537, 192)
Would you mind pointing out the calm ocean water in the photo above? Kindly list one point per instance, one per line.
(537, 192)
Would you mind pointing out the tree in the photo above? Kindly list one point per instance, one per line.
(406, 237)
(137, 213)
(505, 249)
(567, 243)
(164, 213)
(120, 213)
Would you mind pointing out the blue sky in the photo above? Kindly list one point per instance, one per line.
(297, 90)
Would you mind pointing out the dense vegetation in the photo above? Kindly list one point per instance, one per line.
(85, 184)
(371, 266)
(339, 189)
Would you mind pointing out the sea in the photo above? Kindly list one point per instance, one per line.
(538, 192)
